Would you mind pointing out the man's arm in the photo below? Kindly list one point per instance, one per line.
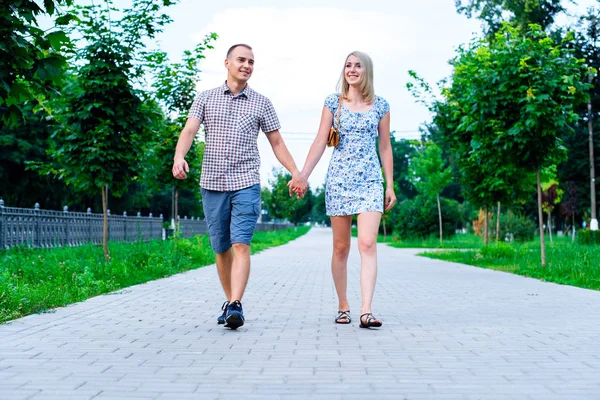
(285, 158)
(186, 138)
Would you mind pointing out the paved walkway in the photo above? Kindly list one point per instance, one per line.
(450, 332)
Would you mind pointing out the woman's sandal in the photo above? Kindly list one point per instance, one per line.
(343, 317)
(370, 321)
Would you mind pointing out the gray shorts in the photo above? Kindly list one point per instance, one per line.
(231, 216)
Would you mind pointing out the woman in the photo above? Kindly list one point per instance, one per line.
(354, 181)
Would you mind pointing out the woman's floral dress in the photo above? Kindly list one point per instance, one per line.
(354, 181)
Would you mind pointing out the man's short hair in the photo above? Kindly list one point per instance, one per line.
(235, 46)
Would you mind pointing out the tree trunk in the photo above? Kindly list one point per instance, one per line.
(498, 225)
(573, 233)
(550, 225)
(105, 224)
(440, 217)
(594, 222)
(541, 218)
(485, 228)
(177, 210)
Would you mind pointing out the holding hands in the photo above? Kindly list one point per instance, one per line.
(298, 185)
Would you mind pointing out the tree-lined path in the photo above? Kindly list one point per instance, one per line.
(450, 332)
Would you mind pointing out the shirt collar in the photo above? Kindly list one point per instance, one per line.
(245, 92)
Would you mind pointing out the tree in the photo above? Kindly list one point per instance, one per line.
(318, 212)
(521, 13)
(105, 120)
(174, 86)
(465, 126)
(31, 58)
(28, 143)
(506, 108)
(431, 176)
(583, 153)
(403, 150)
(545, 80)
(525, 87)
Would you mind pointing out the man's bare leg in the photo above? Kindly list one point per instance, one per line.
(224, 264)
(240, 271)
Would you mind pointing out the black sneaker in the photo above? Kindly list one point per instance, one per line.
(235, 315)
(221, 319)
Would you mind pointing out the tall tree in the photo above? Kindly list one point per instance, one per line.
(464, 127)
(520, 13)
(526, 87)
(318, 212)
(584, 152)
(174, 85)
(105, 119)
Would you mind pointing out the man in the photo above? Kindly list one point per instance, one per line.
(232, 115)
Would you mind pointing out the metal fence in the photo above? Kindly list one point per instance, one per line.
(192, 227)
(34, 227)
(45, 228)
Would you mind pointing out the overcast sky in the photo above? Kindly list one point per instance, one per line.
(300, 48)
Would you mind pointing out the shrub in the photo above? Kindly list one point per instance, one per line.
(418, 218)
(515, 227)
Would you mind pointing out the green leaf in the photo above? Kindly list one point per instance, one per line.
(57, 39)
(49, 5)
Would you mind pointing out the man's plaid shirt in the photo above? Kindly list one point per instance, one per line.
(231, 126)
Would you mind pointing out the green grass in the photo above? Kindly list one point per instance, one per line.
(567, 263)
(380, 238)
(36, 280)
(458, 241)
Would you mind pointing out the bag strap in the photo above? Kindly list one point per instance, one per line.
(338, 111)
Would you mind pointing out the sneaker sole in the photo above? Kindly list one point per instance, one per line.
(234, 321)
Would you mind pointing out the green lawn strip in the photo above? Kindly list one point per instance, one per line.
(35, 280)
(380, 238)
(458, 241)
(567, 263)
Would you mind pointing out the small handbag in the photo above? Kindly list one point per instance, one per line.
(334, 133)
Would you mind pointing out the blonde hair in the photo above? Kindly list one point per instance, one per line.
(366, 84)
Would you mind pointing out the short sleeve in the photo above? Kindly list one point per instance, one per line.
(197, 109)
(384, 107)
(268, 120)
(331, 102)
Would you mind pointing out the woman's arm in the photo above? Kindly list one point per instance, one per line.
(387, 160)
(316, 149)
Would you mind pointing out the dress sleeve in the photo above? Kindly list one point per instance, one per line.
(384, 107)
(331, 102)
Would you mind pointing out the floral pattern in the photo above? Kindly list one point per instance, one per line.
(354, 180)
